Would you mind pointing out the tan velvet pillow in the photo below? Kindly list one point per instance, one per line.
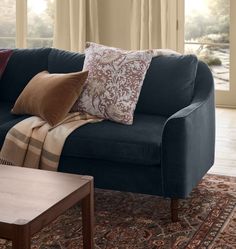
(50, 96)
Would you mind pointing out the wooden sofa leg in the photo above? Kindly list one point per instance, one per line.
(174, 209)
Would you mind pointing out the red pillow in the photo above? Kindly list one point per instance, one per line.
(5, 55)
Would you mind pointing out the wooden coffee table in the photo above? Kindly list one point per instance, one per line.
(30, 199)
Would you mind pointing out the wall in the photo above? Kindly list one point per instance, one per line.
(114, 22)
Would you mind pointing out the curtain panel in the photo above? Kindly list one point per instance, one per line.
(153, 24)
(76, 21)
(129, 24)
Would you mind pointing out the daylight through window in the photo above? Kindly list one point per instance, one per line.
(207, 24)
(40, 21)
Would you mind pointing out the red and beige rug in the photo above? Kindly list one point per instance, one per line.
(135, 221)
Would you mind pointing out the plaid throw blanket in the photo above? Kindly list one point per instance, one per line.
(34, 143)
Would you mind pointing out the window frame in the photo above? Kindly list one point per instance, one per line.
(222, 98)
(21, 36)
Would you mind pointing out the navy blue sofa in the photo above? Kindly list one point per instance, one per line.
(166, 151)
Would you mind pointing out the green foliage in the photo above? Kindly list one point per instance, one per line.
(7, 18)
(39, 25)
(215, 38)
(209, 58)
(219, 7)
(7, 43)
(216, 21)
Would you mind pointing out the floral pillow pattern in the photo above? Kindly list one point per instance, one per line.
(114, 82)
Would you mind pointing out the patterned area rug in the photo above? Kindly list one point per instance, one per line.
(135, 221)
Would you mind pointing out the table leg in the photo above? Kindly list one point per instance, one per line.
(21, 238)
(88, 219)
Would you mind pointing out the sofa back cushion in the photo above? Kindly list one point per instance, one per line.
(168, 85)
(22, 66)
(60, 61)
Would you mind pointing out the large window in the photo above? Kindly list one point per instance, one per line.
(40, 23)
(210, 33)
(7, 23)
(39, 18)
(207, 35)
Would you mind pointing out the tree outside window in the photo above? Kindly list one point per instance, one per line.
(7, 23)
(207, 24)
(40, 21)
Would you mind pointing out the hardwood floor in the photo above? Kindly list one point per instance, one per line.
(225, 159)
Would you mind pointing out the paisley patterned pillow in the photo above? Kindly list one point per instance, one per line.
(114, 82)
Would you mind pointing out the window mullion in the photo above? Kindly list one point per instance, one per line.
(21, 23)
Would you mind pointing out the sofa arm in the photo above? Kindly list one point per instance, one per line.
(188, 140)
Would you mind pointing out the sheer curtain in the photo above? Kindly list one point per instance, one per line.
(76, 21)
(153, 24)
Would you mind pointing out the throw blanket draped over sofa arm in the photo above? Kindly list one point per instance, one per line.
(188, 139)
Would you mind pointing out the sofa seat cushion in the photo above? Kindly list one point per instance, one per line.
(138, 143)
(5, 112)
(6, 116)
(7, 120)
